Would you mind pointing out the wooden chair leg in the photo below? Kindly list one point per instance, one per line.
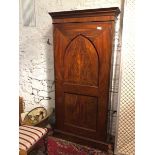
(46, 145)
(22, 152)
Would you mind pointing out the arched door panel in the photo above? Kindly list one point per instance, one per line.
(81, 62)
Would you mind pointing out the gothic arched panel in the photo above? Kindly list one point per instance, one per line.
(81, 62)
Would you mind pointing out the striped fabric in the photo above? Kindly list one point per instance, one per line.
(29, 135)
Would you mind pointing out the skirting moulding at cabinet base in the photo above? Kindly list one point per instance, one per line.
(84, 141)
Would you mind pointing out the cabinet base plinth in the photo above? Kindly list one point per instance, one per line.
(83, 140)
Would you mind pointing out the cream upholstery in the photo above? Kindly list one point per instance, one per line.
(30, 135)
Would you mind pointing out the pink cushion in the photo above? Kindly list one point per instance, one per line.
(29, 135)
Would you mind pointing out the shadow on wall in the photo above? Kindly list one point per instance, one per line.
(50, 82)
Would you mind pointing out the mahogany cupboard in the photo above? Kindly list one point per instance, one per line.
(82, 57)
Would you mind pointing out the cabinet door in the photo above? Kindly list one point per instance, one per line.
(82, 73)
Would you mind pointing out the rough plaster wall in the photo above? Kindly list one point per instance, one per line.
(36, 56)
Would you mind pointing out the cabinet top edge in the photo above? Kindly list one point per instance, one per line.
(89, 12)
